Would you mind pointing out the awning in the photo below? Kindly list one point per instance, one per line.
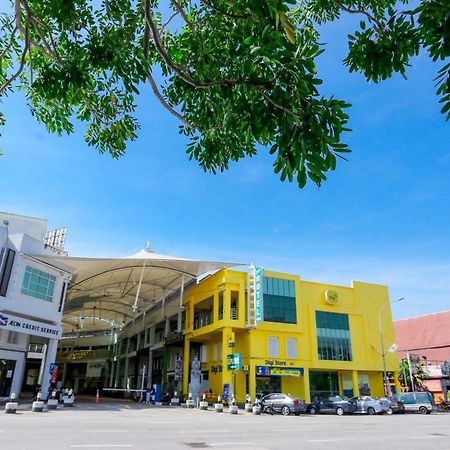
(111, 292)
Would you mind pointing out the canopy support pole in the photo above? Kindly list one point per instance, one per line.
(136, 300)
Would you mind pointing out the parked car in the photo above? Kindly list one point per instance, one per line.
(282, 403)
(332, 405)
(392, 405)
(369, 405)
(421, 402)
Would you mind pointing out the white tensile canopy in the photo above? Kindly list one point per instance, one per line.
(111, 292)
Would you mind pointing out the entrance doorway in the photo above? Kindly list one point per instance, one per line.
(268, 385)
(323, 384)
(7, 367)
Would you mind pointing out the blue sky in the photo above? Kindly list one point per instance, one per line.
(381, 217)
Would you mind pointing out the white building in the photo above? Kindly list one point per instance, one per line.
(32, 295)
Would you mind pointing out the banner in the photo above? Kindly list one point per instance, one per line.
(26, 326)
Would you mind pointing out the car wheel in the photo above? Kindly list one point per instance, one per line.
(340, 411)
(423, 410)
(312, 411)
(268, 410)
(285, 410)
(370, 411)
(389, 411)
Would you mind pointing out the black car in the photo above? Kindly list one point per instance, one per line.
(332, 405)
(283, 403)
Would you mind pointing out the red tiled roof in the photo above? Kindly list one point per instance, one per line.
(427, 335)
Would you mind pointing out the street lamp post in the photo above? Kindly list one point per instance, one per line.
(383, 353)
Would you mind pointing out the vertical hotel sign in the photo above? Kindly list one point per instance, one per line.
(259, 307)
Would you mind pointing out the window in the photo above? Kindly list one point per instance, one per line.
(291, 348)
(279, 300)
(38, 284)
(273, 347)
(204, 355)
(13, 338)
(333, 336)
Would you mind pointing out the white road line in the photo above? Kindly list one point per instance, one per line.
(219, 444)
(107, 431)
(99, 445)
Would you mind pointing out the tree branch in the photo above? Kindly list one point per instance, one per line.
(166, 105)
(224, 13)
(184, 76)
(8, 82)
(186, 18)
(371, 18)
(169, 20)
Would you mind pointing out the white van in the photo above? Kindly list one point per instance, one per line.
(421, 402)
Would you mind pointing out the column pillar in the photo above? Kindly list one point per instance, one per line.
(179, 321)
(150, 368)
(50, 358)
(117, 380)
(306, 386)
(355, 383)
(252, 380)
(64, 374)
(186, 361)
(398, 386)
(111, 372)
(227, 376)
(340, 383)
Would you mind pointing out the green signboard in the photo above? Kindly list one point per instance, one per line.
(234, 361)
(259, 294)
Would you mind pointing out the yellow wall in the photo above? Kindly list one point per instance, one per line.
(361, 302)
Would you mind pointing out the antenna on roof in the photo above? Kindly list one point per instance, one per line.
(148, 247)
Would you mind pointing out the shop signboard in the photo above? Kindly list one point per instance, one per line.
(267, 371)
(226, 392)
(234, 361)
(26, 326)
(259, 309)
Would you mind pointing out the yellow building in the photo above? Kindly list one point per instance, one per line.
(289, 335)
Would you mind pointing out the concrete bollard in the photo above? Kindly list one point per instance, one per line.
(68, 402)
(11, 407)
(248, 407)
(256, 410)
(52, 403)
(37, 406)
(233, 409)
(189, 402)
(203, 404)
(218, 407)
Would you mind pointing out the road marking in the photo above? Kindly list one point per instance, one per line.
(218, 444)
(107, 431)
(99, 445)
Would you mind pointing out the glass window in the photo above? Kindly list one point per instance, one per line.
(38, 284)
(279, 300)
(291, 348)
(333, 336)
(13, 337)
(273, 347)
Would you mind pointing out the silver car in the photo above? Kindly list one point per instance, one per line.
(369, 405)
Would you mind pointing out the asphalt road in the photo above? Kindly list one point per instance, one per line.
(133, 426)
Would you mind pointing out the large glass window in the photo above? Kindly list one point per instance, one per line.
(333, 336)
(279, 300)
(38, 284)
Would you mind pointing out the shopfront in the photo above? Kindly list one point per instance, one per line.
(7, 368)
(272, 378)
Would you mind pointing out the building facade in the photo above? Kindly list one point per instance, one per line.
(288, 335)
(427, 341)
(32, 298)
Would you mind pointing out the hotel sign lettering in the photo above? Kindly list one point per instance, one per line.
(259, 316)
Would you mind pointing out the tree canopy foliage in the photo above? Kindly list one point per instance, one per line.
(238, 74)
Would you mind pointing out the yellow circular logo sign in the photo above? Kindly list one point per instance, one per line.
(331, 297)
